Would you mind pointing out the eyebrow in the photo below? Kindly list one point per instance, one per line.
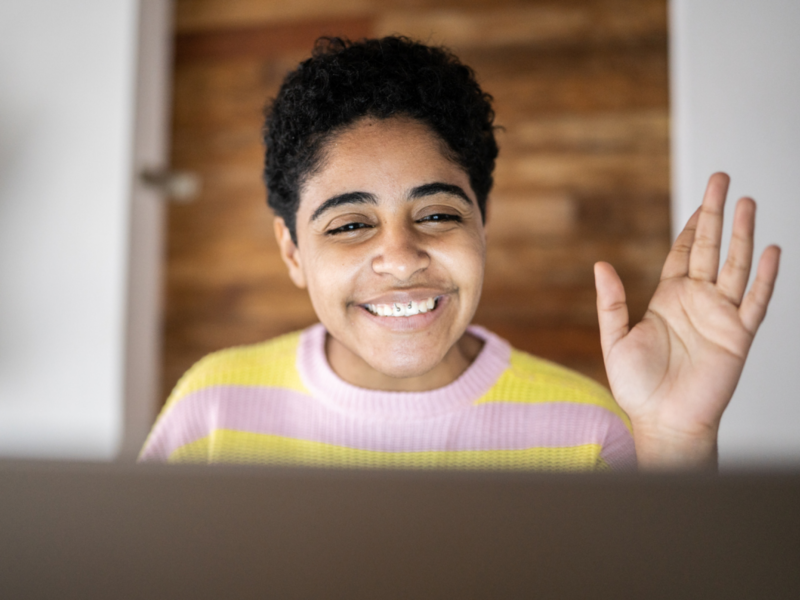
(430, 189)
(421, 191)
(348, 198)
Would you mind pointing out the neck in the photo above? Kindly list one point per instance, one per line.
(356, 371)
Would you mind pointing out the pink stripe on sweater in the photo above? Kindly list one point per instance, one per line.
(618, 449)
(291, 414)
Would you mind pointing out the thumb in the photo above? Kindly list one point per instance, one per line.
(612, 310)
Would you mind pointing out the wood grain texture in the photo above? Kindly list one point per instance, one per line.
(266, 41)
(580, 87)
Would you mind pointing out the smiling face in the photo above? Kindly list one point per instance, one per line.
(391, 246)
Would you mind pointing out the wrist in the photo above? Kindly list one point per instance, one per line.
(662, 450)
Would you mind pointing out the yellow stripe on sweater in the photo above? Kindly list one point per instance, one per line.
(268, 364)
(532, 380)
(227, 446)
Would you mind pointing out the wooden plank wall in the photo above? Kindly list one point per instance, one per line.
(583, 174)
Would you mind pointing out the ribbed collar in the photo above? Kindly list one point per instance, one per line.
(330, 389)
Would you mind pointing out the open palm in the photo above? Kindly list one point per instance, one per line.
(675, 371)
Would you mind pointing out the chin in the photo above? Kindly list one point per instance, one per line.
(404, 363)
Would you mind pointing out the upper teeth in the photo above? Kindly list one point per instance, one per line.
(406, 309)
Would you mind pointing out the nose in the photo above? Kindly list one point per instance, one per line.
(400, 253)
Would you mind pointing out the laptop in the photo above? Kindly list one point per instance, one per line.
(70, 530)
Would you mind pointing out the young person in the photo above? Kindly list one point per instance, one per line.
(378, 167)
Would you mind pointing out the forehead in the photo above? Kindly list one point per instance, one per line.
(381, 155)
(386, 131)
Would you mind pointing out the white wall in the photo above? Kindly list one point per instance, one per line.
(735, 84)
(67, 107)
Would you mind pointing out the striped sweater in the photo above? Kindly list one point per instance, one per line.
(280, 403)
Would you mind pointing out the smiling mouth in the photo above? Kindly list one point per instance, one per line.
(404, 309)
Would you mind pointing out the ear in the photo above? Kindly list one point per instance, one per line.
(290, 253)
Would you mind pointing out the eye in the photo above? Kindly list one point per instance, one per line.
(440, 218)
(347, 228)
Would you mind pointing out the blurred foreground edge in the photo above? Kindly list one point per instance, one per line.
(108, 531)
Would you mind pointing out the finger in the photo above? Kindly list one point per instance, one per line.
(677, 263)
(612, 310)
(704, 257)
(754, 305)
(735, 272)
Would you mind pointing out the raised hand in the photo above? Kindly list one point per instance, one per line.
(675, 371)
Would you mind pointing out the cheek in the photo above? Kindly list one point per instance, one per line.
(464, 259)
(331, 272)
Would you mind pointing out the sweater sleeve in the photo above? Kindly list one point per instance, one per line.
(618, 451)
(184, 425)
(185, 418)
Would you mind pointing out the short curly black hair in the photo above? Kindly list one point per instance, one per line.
(344, 81)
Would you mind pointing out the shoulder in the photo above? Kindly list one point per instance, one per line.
(548, 378)
(569, 409)
(268, 364)
(529, 379)
(188, 417)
